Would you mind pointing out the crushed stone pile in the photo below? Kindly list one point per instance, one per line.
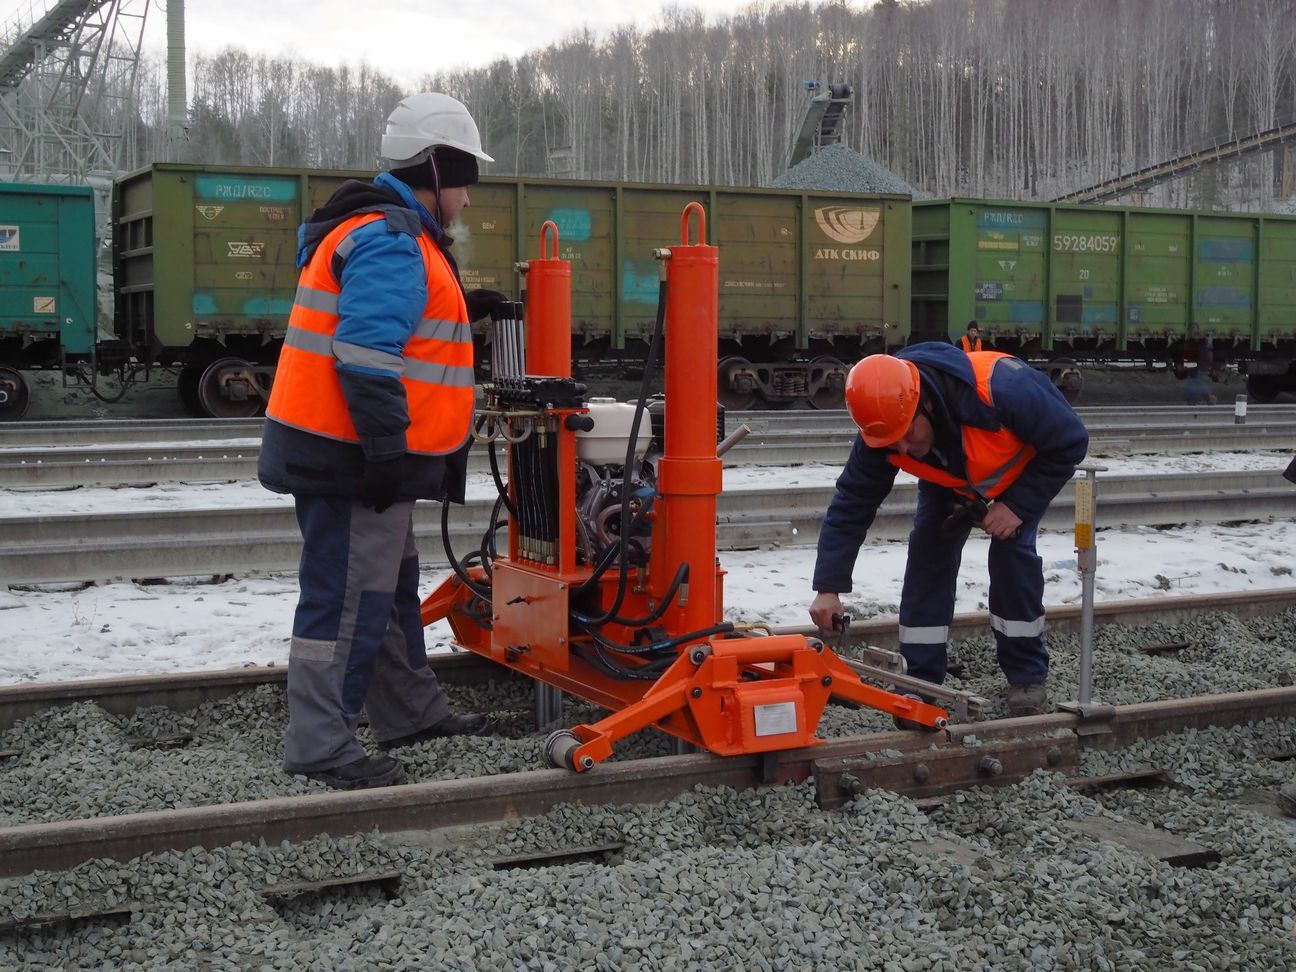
(841, 169)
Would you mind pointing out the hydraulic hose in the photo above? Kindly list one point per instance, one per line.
(483, 592)
(127, 378)
(487, 552)
(609, 555)
(499, 480)
(654, 350)
(681, 576)
(724, 627)
(599, 659)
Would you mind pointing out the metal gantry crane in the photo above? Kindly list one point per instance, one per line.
(56, 57)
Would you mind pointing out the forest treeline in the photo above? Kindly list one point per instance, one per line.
(1004, 98)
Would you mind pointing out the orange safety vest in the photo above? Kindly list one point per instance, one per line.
(994, 459)
(436, 365)
(967, 345)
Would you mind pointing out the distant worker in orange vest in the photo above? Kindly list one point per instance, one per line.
(971, 341)
(371, 406)
(991, 442)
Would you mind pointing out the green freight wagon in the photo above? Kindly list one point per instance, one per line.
(205, 272)
(808, 281)
(47, 284)
(1061, 284)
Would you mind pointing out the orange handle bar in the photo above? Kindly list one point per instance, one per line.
(753, 651)
(549, 229)
(693, 207)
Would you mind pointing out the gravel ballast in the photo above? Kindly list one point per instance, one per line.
(715, 879)
(81, 761)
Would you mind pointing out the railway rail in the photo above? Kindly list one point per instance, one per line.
(149, 543)
(994, 752)
(177, 463)
(127, 695)
(100, 432)
(778, 439)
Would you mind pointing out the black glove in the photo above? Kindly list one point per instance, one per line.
(482, 303)
(967, 514)
(381, 484)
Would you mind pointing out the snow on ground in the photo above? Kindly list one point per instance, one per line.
(121, 629)
(185, 496)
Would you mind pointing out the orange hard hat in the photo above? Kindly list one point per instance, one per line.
(882, 397)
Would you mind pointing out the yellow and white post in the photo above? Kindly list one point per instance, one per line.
(1087, 563)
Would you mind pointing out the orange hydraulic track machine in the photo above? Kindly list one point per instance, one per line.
(610, 589)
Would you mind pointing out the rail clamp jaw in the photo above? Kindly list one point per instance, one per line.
(1095, 719)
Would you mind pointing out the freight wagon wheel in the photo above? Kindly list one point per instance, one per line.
(736, 387)
(228, 389)
(1263, 389)
(14, 395)
(187, 388)
(832, 391)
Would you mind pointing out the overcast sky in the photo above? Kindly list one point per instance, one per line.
(404, 38)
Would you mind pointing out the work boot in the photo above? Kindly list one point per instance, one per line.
(1287, 799)
(455, 724)
(365, 772)
(1027, 700)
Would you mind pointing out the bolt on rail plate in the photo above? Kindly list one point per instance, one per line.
(943, 767)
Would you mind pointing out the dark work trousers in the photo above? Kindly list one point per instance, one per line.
(357, 642)
(927, 599)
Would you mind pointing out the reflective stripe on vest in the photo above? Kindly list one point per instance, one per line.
(435, 368)
(994, 459)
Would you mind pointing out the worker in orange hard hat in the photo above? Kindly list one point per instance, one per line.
(991, 442)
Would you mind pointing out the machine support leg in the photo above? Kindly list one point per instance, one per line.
(548, 705)
(1085, 559)
(1087, 564)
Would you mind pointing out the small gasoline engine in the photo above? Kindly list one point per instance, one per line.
(610, 589)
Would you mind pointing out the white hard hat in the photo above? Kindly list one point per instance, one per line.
(425, 121)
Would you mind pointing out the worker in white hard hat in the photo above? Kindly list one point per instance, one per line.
(371, 407)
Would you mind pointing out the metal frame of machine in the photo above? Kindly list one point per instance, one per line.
(631, 619)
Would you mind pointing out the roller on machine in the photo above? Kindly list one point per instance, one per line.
(609, 588)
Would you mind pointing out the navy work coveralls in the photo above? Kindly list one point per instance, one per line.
(357, 643)
(1023, 402)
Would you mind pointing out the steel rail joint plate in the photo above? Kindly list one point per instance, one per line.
(944, 767)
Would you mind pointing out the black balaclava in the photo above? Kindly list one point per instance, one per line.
(444, 168)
